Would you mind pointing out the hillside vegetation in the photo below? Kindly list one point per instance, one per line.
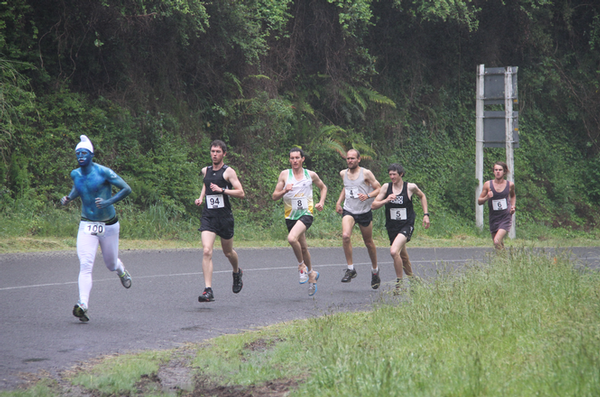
(153, 82)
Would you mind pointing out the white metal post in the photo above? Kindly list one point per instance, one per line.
(479, 143)
(508, 108)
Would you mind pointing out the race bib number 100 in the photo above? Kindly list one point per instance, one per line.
(94, 228)
(215, 201)
(398, 214)
(299, 203)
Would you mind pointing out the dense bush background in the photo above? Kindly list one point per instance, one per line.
(152, 82)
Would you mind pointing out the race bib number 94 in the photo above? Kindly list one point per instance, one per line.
(499, 205)
(398, 214)
(94, 228)
(299, 203)
(215, 201)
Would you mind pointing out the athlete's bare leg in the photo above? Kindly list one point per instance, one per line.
(367, 234)
(498, 238)
(208, 242)
(230, 253)
(297, 240)
(347, 226)
(397, 246)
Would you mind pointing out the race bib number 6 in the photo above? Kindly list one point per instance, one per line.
(94, 228)
(215, 201)
(398, 214)
(499, 205)
(299, 203)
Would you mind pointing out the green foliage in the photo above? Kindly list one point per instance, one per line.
(595, 33)
(355, 17)
(444, 10)
(16, 101)
(153, 82)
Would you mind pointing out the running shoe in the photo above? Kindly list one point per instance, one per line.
(303, 275)
(207, 296)
(398, 287)
(375, 280)
(80, 311)
(125, 279)
(237, 281)
(349, 275)
(312, 287)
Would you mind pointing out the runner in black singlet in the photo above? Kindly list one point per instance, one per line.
(400, 216)
(501, 198)
(220, 182)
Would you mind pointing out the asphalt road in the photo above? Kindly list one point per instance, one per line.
(38, 333)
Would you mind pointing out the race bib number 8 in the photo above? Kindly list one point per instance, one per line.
(398, 214)
(94, 228)
(499, 205)
(299, 203)
(215, 201)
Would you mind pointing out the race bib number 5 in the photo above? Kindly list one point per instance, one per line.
(499, 205)
(215, 201)
(398, 214)
(94, 228)
(299, 203)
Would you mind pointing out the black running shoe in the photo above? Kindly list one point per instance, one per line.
(207, 296)
(375, 280)
(80, 311)
(349, 275)
(237, 281)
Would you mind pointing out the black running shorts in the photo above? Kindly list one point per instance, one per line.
(405, 229)
(363, 220)
(221, 226)
(306, 219)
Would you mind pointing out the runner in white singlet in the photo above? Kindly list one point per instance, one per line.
(295, 187)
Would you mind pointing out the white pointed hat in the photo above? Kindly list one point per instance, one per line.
(85, 144)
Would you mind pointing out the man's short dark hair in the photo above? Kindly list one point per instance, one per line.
(397, 168)
(219, 143)
(357, 153)
(297, 149)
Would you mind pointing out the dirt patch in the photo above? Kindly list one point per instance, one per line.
(261, 344)
(276, 388)
(176, 377)
(177, 374)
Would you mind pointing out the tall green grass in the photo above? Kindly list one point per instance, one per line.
(523, 324)
(23, 218)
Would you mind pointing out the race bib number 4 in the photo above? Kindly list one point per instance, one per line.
(398, 214)
(499, 205)
(299, 203)
(351, 193)
(94, 228)
(215, 201)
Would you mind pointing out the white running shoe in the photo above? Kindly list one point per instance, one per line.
(312, 287)
(303, 275)
(125, 279)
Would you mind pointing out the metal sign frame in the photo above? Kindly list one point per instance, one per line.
(491, 91)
